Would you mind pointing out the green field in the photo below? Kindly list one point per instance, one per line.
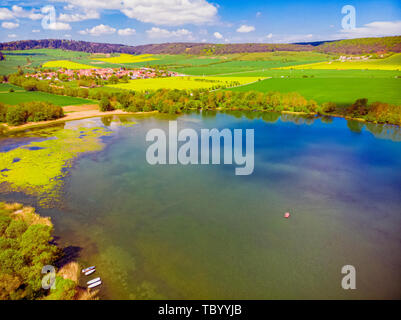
(338, 90)
(289, 72)
(391, 63)
(27, 96)
(182, 83)
(29, 59)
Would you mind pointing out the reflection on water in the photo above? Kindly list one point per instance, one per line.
(198, 232)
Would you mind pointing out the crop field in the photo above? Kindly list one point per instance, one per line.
(5, 87)
(127, 58)
(240, 63)
(67, 65)
(391, 63)
(338, 90)
(183, 83)
(28, 96)
(29, 59)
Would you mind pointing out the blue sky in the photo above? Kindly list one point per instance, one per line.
(136, 22)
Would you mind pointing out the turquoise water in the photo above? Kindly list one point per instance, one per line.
(201, 232)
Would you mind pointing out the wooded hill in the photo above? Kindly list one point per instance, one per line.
(351, 46)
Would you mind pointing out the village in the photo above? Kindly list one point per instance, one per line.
(102, 73)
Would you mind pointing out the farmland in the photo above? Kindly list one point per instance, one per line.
(391, 63)
(315, 75)
(127, 58)
(338, 90)
(66, 64)
(185, 83)
(20, 96)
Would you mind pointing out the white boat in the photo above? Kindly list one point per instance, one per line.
(93, 285)
(88, 269)
(93, 281)
(90, 272)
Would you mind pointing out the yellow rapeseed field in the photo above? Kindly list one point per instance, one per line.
(391, 63)
(67, 65)
(127, 58)
(184, 83)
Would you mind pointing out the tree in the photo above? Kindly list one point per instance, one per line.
(105, 105)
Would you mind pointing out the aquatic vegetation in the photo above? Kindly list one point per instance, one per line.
(42, 165)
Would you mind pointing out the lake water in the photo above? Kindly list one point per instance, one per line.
(201, 232)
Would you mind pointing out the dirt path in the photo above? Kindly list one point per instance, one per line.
(73, 113)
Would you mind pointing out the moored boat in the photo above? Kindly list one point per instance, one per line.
(95, 284)
(88, 269)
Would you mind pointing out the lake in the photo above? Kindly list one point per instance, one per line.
(201, 232)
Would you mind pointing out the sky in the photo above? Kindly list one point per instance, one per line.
(135, 22)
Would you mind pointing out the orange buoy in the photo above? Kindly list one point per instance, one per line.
(287, 215)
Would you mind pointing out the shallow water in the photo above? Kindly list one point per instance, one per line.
(201, 232)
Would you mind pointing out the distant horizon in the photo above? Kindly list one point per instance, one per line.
(198, 43)
(138, 22)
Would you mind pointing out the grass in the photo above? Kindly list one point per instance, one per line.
(5, 87)
(181, 83)
(27, 96)
(338, 90)
(29, 59)
(67, 65)
(391, 63)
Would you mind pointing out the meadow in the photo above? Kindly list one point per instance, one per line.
(21, 96)
(184, 83)
(339, 90)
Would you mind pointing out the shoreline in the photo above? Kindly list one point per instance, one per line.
(93, 113)
(70, 116)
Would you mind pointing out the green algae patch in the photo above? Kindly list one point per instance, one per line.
(38, 168)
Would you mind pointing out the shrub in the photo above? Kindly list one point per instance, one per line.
(329, 107)
(105, 105)
(16, 115)
(3, 112)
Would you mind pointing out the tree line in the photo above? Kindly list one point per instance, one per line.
(177, 101)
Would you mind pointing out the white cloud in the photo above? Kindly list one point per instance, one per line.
(374, 29)
(6, 14)
(58, 26)
(218, 35)
(12, 35)
(35, 30)
(269, 36)
(163, 33)
(159, 12)
(10, 25)
(245, 29)
(99, 30)
(19, 12)
(75, 17)
(126, 32)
